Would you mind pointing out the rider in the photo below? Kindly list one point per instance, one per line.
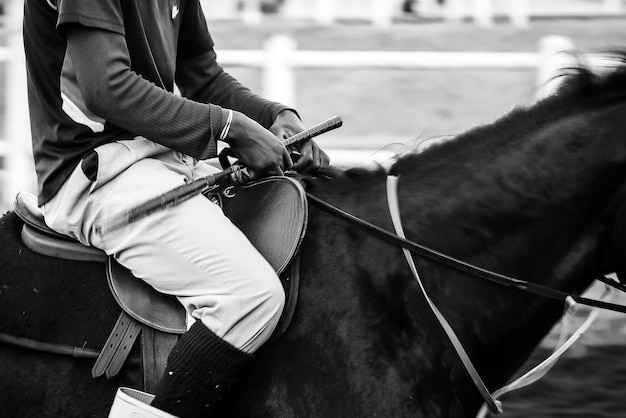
(110, 131)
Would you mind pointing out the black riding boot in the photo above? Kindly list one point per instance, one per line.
(200, 370)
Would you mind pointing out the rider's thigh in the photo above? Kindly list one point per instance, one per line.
(193, 251)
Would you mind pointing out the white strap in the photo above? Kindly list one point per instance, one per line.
(562, 345)
(394, 209)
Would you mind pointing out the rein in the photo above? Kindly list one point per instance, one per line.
(471, 269)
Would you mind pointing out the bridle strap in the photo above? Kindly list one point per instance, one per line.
(454, 263)
(564, 342)
(392, 199)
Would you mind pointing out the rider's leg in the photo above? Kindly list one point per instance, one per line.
(200, 371)
(191, 251)
(229, 288)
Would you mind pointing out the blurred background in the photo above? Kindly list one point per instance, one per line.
(395, 71)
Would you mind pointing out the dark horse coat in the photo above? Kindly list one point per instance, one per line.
(538, 195)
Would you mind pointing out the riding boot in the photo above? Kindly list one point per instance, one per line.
(200, 369)
(131, 403)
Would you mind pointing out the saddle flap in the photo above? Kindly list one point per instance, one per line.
(143, 303)
(273, 215)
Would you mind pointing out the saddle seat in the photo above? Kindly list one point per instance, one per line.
(271, 212)
(37, 236)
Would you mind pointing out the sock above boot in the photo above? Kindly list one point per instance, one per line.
(200, 370)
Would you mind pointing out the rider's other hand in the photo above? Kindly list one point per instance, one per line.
(310, 157)
(257, 148)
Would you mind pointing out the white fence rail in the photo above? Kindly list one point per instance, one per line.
(280, 58)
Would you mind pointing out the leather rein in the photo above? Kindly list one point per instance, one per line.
(468, 268)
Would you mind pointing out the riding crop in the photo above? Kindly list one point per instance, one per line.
(232, 174)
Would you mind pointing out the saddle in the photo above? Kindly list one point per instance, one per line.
(271, 212)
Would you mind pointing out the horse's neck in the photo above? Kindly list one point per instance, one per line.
(502, 201)
(530, 211)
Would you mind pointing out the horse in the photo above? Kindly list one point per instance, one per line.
(538, 195)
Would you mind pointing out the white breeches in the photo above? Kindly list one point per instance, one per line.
(191, 251)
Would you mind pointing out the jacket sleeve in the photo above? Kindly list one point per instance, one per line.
(114, 92)
(200, 78)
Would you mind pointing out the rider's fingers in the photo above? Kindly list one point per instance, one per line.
(312, 160)
(305, 158)
(304, 162)
(287, 162)
(324, 159)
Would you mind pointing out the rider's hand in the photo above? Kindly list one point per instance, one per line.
(257, 148)
(311, 157)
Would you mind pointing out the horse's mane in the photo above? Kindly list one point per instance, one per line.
(581, 89)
